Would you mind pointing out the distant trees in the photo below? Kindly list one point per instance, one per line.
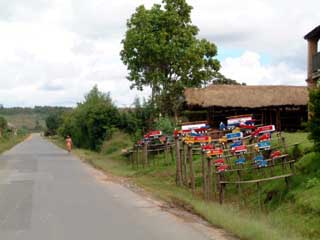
(138, 119)
(53, 122)
(3, 125)
(162, 51)
(314, 123)
(222, 80)
(92, 121)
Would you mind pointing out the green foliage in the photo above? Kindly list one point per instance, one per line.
(314, 123)
(222, 80)
(312, 182)
(3, 123)
(53, 122)
(117, 143)
(139, 119)
(161, 50)
(309, 164)
(92, 121)
(296, 152)
(165, 124)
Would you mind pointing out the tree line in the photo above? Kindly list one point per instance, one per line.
(95, 119)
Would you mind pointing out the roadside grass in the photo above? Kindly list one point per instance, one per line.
(8, 142)
(292, 214)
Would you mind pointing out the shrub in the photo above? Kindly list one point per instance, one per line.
(314, 123)
(92, 121)
(53, 122)
(165, 124)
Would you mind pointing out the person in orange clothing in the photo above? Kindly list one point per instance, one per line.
(69, 143)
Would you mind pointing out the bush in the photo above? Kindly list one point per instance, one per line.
(53, 122)
(92, 121)
(314, 123)
(118, 142)
(165, 124)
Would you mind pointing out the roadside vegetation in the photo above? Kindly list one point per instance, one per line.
(9, 136)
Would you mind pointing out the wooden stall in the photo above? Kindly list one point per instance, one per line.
(283, 106)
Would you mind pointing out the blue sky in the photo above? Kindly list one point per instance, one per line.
(224, 53)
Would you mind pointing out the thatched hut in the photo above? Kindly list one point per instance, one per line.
(283, 106)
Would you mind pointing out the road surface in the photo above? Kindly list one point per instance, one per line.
(48, 194)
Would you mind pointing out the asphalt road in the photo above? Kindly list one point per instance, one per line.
(46, 193)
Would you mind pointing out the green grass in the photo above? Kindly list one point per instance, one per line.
(301, 138)
(9, 142)
(292, 214)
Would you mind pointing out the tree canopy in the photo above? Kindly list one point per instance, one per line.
(91, 122)
(53, 122)
(162, 51)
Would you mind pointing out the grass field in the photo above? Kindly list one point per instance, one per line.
(290, 214)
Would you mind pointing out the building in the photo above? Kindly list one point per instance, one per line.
(283, 106)
(313, 57)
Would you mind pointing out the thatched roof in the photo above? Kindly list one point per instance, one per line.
(247, 96)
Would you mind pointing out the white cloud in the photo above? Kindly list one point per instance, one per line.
(248, 69)
(54, 51)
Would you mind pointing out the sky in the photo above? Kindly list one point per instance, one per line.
(52, 52)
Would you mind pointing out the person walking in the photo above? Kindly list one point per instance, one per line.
(69, 143)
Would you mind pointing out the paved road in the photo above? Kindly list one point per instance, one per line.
(47, 194)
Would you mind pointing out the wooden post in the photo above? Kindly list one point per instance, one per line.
(204, 177)
(138, 156)
(283, 139)
(183, 174)
(286, 179)
(178, 162)
(166, 154)
(221, 193)
(184, 165)
(278, 120)
(145, 154)
(131, 159)
(192, 181)
(239, 185)
(172, 154)
(209, 179)
(270, 115)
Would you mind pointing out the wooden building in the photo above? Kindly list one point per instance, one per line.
(313, 37)
(283, 106)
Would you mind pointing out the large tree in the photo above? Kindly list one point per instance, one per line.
(162, 51)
